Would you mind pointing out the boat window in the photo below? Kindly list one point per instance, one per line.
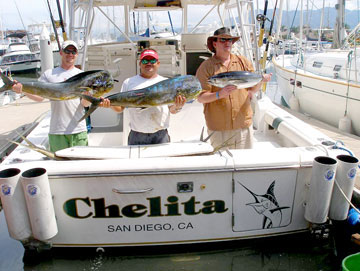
(5, 60)
(337, 68)
(317, 64)
(21, 58)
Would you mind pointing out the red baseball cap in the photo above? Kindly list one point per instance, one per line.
(149, 53)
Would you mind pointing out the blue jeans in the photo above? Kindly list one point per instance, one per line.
(137, 138)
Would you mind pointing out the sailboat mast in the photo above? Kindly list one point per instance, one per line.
(339, 29)
(341, 12)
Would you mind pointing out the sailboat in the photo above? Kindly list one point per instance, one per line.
(325, 84)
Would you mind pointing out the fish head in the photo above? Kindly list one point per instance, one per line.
(100, 83)
(240, 79)
(188, 86)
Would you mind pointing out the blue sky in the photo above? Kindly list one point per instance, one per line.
(36, 11)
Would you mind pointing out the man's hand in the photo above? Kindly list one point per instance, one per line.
(226, 91)
(105, 102)
(180, 100)
(266, 77)
(17, 87)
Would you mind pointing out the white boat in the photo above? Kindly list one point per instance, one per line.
(323, 84)
(20, 59)
(183, 192)
(320, 86)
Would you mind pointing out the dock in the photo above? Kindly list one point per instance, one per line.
(19, 118)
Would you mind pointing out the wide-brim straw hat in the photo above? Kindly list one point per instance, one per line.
(223, 32)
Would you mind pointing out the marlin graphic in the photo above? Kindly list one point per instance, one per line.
(267, 206)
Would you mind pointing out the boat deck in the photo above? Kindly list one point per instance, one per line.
(20, 116)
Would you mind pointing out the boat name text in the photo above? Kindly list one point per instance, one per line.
(153, 208)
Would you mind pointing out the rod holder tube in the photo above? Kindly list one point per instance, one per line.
(321, 185)
(345, 178)
(13, 201)
(39, 203)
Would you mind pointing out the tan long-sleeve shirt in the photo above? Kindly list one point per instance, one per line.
(232, 112)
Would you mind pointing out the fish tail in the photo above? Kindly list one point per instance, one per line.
(94, 105)
(8, 83)
(33, 147)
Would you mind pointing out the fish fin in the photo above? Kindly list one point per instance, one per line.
(8, 83)
(80, 75)
(271, 189)
(207, 138)
(94, 105)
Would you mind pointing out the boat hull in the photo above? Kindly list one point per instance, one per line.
(25, 67)
(325, 99)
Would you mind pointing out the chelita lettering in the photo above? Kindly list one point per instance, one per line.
(97, 208)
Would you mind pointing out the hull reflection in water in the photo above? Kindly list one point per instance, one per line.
(283, 253)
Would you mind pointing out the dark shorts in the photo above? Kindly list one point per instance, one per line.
(137, 138)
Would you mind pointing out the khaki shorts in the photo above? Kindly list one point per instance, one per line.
(233, 139)
(59, 142)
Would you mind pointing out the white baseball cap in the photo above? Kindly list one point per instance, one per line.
(68, 43)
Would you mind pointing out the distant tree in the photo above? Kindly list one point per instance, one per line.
(295, 29)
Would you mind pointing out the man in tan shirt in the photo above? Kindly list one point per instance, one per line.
(227, 110)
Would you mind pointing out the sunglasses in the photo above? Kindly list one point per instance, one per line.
(146, 61)
(67, 51)
(223, 40)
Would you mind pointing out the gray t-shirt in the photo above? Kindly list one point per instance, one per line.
(64, 114)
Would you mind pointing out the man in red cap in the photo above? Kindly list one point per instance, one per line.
(149, 125)
(227, 110)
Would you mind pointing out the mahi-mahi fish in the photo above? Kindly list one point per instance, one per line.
(241, 79)
(161, 93)
(97, 82)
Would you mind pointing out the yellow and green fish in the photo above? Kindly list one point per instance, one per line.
(97, 82)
